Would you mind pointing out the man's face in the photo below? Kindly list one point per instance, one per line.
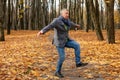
(65, 14)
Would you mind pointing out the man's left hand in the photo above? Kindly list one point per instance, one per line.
(78, 26)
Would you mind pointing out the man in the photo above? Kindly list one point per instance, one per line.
(61, 39)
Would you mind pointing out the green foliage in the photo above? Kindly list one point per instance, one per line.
(20, 2)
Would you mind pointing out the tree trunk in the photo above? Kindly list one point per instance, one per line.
(95, 19)
(25, 16)
(30, 16)
(119, 13)
(102, 15)
(70, 8)
(74, 12)
(22, 15)
(2, 38)
(44, 13)
(36, 13)
(5, 14)
(87, 16)
(9, 25)
(82, 22)
(110, 21)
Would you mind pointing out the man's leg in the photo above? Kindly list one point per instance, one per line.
(76, 46)
(61, 59)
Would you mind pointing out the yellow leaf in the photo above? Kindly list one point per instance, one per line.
(35, 73)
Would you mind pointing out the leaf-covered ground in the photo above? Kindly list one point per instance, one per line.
(23, 56)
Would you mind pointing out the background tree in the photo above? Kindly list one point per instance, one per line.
(102, 14)
(2, 38)
(88, 17)
(9, 21)
(119, 13)
(94, 16)
(110, 21)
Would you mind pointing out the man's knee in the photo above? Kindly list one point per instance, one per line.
(62, 58)
(77, 45)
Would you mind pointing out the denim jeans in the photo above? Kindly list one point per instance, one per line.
(61, 52)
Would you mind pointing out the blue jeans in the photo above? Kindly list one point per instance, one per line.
(61, 52)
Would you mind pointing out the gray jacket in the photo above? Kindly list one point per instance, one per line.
(61, 35)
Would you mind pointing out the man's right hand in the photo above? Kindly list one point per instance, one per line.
(39, 33)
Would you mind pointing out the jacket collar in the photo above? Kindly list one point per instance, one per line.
(65, 21)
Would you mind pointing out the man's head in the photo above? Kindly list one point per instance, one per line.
(65, 13)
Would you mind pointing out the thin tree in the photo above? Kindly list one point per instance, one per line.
(9, 24)
(30, 16)
(119, 13)
(88, 19)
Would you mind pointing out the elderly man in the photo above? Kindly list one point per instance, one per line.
(61, 39)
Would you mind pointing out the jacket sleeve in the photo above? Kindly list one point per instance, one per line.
(73, 24)
(49, 26)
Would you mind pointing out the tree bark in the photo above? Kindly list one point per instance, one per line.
(87, 16)
(2, 38)
(95, 19)
(102, 15)
(119, 13)
(110, 22)
(9, 25)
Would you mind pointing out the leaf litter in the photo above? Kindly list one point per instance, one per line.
(23, 56)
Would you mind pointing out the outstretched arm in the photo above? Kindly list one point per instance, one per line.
(47, 28)
(75, 25)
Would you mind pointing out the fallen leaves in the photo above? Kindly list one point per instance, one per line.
(24, 56)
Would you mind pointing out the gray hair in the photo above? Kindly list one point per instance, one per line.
(63, 10)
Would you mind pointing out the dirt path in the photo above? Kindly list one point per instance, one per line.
(70, 71)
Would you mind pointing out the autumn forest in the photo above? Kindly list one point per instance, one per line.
(24, 56)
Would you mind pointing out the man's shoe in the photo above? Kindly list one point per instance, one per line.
(58, 74)
(81, 64)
